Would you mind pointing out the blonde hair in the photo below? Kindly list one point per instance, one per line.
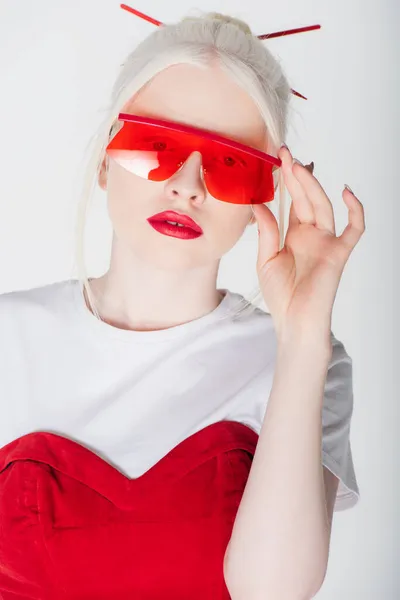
(194, 40)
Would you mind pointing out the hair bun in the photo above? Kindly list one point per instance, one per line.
(214, 16)
(226, 19)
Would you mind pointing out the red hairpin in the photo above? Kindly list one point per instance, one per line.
(264, 36)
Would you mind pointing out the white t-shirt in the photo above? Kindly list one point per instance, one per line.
(132, 396)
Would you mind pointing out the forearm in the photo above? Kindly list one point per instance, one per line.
(280, 541)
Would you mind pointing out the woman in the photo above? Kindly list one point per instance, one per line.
(158, 441)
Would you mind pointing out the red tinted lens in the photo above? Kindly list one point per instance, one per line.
(237, 177)
(156, 153)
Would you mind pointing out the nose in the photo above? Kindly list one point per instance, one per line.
(187, 183)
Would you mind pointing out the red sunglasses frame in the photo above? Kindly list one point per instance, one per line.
(207, 135)
(264, 36)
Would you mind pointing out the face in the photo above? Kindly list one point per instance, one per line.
(205, 99)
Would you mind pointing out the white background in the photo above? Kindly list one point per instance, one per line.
(58, 61)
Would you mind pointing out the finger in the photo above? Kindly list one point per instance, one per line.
(323, 209)
(293, 218)
(303, 206)
(268, 241)
(356, 225)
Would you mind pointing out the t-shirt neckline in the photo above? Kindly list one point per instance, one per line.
(128, 335)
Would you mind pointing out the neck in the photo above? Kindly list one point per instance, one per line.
(138, 296)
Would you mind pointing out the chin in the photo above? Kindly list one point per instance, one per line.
(171, 259)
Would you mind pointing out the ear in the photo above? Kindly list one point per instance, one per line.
(102, 178)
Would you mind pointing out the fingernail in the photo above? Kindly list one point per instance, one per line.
(297, 161)
(284, 146)
(349, 188)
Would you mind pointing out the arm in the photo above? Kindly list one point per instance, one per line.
(280, 540)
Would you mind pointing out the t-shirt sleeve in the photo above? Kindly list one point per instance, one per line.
(337, 410)
(336, 424)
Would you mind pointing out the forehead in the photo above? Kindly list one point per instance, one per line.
(204, 98)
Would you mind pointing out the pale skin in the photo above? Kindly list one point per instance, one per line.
(280, 540)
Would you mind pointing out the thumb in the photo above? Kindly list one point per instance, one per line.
(268, 231)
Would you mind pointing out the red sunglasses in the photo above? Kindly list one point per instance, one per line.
(155, 150)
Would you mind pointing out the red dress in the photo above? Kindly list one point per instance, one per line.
(72, 526)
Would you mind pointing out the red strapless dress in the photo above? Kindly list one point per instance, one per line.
(72, 526)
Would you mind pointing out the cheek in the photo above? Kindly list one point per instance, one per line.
(128, 196)
(230, 223)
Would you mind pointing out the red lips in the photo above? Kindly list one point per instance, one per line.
(170, 215)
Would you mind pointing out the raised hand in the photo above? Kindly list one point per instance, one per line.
(299, 283)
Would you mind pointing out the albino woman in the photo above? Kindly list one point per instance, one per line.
(162, 438)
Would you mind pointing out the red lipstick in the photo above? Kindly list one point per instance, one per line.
(174, 217)
(187, 228)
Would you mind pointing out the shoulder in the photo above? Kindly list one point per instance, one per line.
(32, 321)
(25, 304)
(247, 315)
